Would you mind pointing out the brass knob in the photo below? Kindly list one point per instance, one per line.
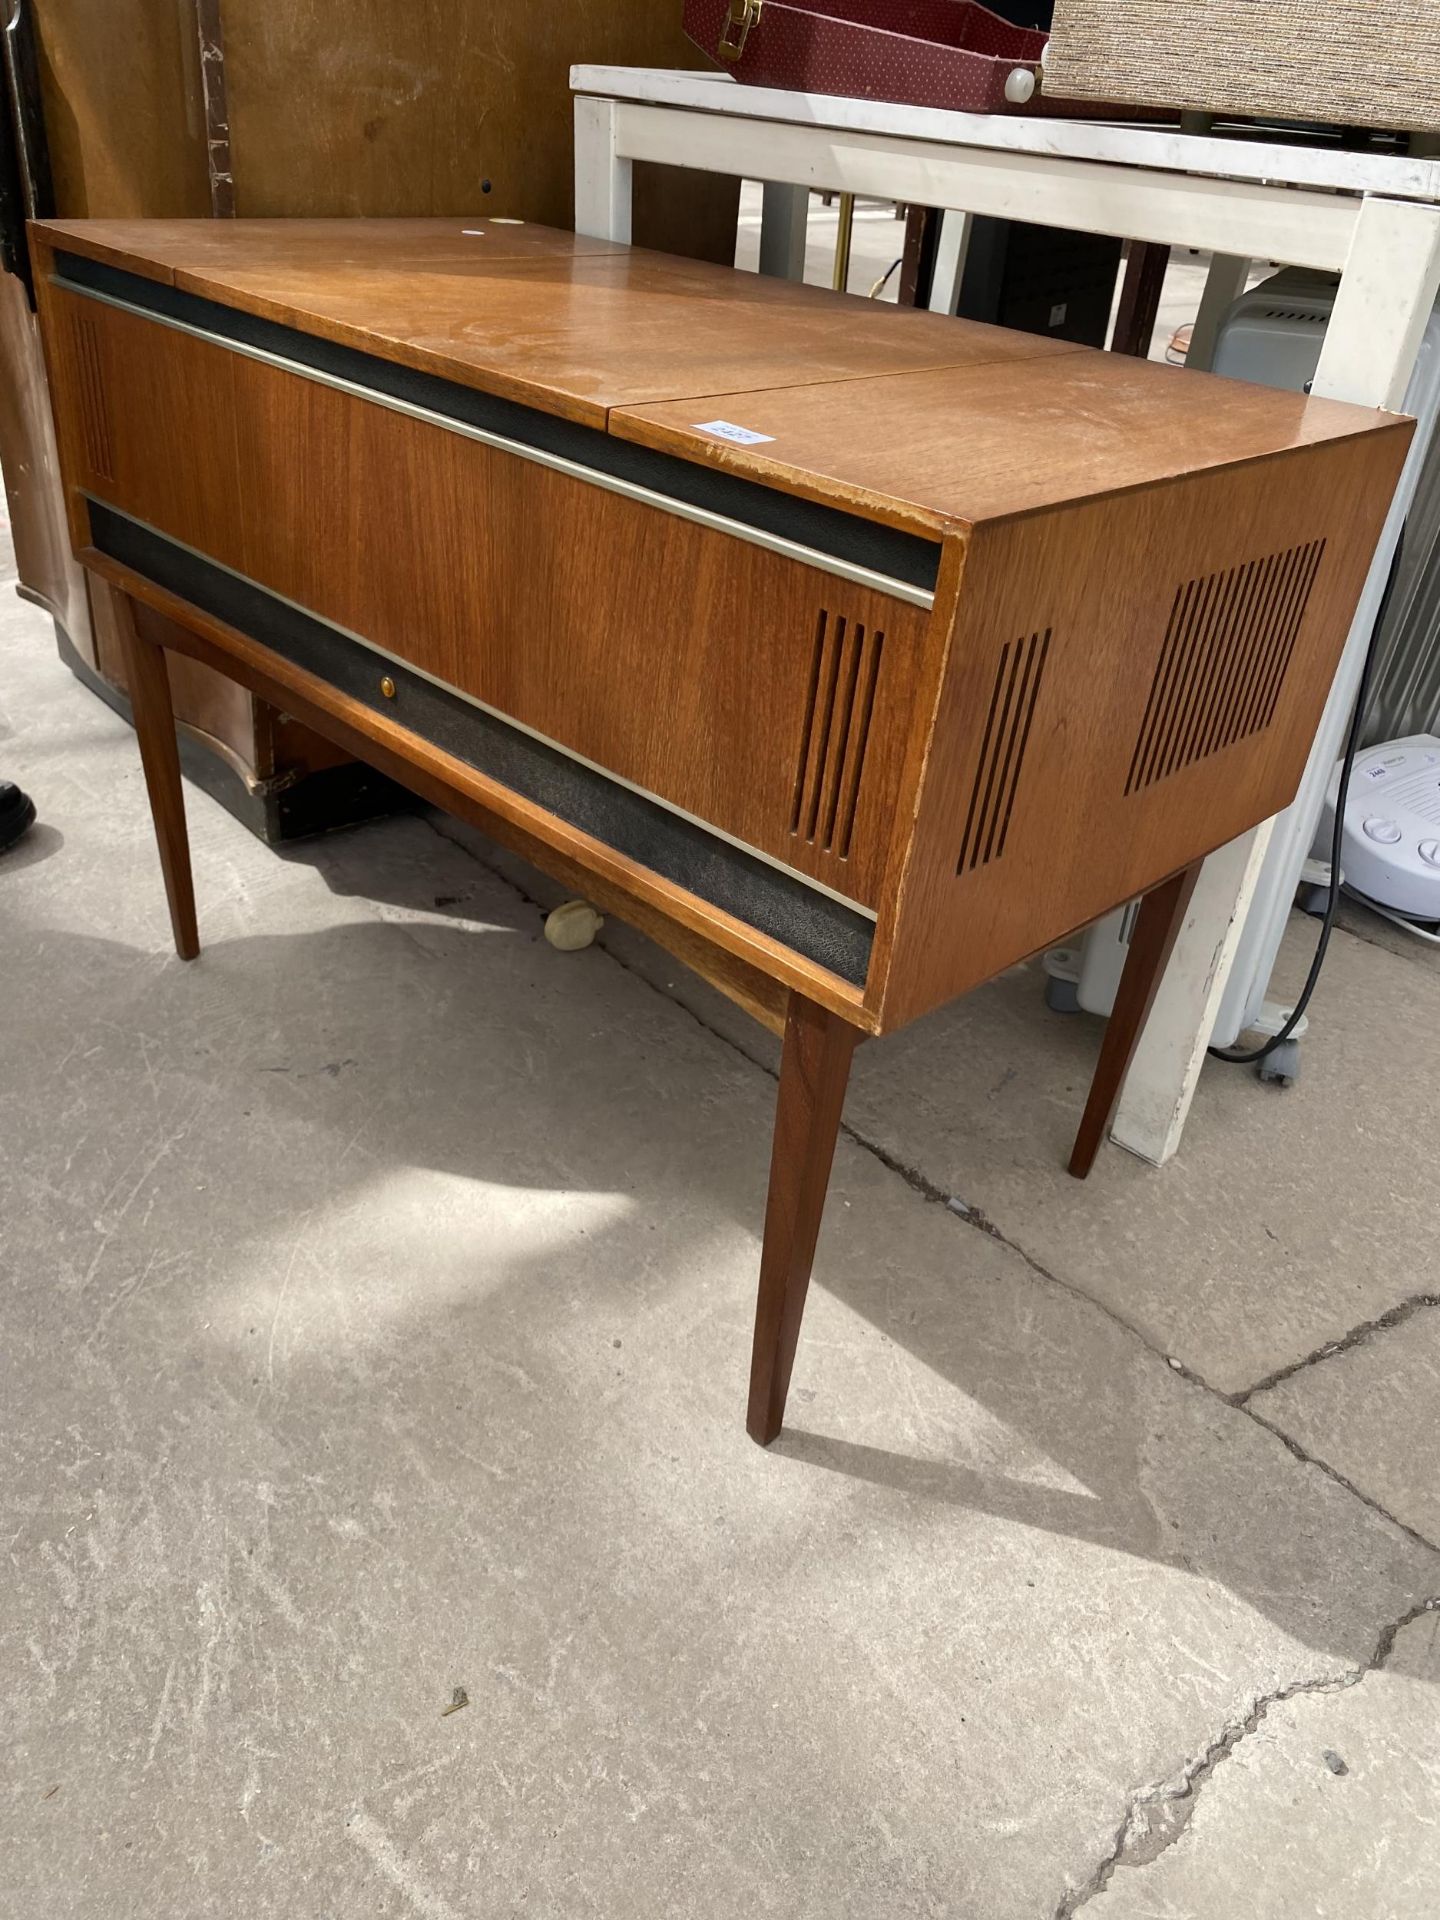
(387, 687)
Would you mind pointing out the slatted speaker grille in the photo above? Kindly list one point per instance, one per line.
(1224, 660)
(90, 396)
(1002, 749)
(844, 669)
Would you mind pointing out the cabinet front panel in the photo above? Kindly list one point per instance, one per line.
(762, 696)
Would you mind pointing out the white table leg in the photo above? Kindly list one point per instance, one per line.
(602, 178)
(1224, 282)
(1161, 1082)
(1386, 295)
(950, 254)
(784, 216)
(1368, 357)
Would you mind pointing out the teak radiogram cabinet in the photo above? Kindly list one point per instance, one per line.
(854, 653)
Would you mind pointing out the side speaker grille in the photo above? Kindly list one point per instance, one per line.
(831, 763)
(1002, 750)
(1223, 661)
(90, 396)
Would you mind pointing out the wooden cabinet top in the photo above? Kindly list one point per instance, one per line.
(919, 420)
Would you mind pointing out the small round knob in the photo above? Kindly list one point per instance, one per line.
(387, 687)
(1019, 86)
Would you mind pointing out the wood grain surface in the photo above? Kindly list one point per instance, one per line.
(120, 85)
(1030, 821)
(575, 328)
(630, 637)
(150, 702)
(376, 108)
(959, 446)
(814, 1072)
(976, 423)
(369, 109)
(264, 254)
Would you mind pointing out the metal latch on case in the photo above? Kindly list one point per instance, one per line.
(741, 18)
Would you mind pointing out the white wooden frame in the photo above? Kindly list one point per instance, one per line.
(1374, 219)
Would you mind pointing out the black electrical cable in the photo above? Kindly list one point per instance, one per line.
(1327, 924)
(880, 284)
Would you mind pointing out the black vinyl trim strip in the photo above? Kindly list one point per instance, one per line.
(828, 530)
(813, 924)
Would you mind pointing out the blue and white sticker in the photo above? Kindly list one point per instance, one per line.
(727, 430)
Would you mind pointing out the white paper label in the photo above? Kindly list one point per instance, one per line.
(727, 430)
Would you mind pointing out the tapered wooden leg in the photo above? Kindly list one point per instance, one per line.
(159, 755)
(1161, 914)
(814, 1069)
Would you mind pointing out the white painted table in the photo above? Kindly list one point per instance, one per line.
(1375, 220)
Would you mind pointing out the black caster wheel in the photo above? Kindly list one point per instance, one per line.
(1061, 996)
(1281, 1066)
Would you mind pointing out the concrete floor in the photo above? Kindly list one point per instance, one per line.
(376, 1307)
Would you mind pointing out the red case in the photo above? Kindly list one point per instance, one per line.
(925, 53)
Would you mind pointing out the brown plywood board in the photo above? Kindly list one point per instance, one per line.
(442, 108)
(124, 118)
(368, 109)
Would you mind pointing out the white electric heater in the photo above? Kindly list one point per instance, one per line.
(1390, 843)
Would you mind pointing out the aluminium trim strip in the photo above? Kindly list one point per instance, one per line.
(756, 536)
(498, 713)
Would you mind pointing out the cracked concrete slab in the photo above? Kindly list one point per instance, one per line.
(1323, 1188)
(1302, 1818)
(1371, 1413)
(374, 1320)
